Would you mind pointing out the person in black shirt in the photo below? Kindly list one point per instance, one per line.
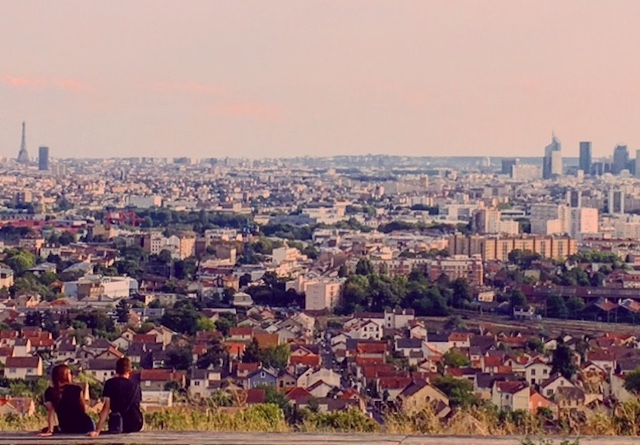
(65, 401)
(121, 395)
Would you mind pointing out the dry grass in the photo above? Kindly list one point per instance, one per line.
(624, 421)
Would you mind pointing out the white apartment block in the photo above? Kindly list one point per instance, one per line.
(583, 221)
(549, 219)
(144, 202)
(322, 295)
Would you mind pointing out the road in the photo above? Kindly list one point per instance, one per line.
(214, 438)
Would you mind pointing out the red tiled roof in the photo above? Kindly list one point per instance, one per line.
(266, 340)
(22, 362)
(368, 361)
(308, 360)
(255, 396)
(492, 362)
(235, 348)
(8, 335)
(297, 393)
(510, 387)
(394, 382)
(248, 367)
(200, 349)
(371, 348)
(6, 351)
(41, 342)
(601, 355)
(240, 332)
(144, 338)
(160, 375)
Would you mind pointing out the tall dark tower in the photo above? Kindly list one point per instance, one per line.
(585, 157)
(43, 158)
(23, 154)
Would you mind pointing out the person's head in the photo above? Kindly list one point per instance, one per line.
(123, 367)
(60, 376)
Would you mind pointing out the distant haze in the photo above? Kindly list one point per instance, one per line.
(205, 78)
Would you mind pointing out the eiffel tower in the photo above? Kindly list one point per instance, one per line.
(23, 154)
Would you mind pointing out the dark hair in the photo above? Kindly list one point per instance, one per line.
(123, 366)
(60, 376)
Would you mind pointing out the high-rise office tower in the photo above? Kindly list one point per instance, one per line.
(507, 165)
(23, 154)
(585, 157)
(43, 158)
(552, 162)
(620, 159)
(615, 203)
(574, 198)
(637, 173)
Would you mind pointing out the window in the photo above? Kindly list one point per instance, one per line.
(196, 383)
(13, 370)
(147, 383)
(533, 372)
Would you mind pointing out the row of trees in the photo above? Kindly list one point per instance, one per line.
(367, 290)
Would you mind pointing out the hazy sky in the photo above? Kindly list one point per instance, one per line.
(305, 77)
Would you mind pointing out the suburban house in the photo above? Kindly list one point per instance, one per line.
(23, 367)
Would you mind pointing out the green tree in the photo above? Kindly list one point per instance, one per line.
(66, 238)
(462, 293)
(216, 355)
(364, 267)
(205, 324)
(562, 361)
(632, 381)
(122, 311)
(459, 391)
(555, 307)
(517, 298)
(455, 323)
(456, 359)
(575, 305)
(96, 320)
(275, 356)
(179, 358)
(225, 323)
(20, 261)
(182, 318)
(535, 345)
(251, 352)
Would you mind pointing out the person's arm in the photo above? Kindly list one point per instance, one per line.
(106, 407)
(50, 420)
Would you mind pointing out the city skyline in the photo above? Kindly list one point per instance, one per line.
(284, 79)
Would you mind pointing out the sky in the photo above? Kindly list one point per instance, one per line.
(281, 78)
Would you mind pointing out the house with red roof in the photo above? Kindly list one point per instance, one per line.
(241, 333)
(602, 358)
(511, 395)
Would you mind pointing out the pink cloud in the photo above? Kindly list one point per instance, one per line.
(23, 82)
(38, 83)
(248, 110)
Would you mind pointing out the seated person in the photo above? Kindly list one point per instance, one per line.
(122, 397)
(64, 400)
